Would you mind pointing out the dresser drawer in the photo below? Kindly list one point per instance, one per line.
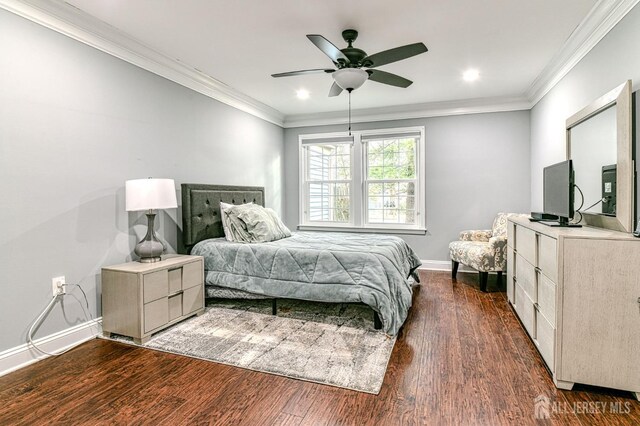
(526, 244)
(525, 310)
(547, 298)
(156, 314)
(546, 340)
(192, 275)
(511, 234)
(548, 257)
(155, 285)
(526, 277)
(511, 272)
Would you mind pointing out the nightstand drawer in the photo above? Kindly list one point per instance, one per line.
(175, 307)
(155, 285)
(192, 300)
(156, 314)
(191, 275)
(175, 280)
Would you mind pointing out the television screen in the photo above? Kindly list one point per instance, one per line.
(558, 190)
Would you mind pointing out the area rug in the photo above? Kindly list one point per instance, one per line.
(332, 344)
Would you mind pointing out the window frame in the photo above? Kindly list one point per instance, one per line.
(357, 190)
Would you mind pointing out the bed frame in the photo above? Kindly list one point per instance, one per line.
(201, 217)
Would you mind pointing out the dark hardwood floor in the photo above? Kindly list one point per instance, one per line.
(461, 358)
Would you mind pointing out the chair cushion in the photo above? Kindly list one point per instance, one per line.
(475, 235)
(476, 254)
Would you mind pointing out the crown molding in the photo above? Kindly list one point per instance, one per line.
(404, 112)
(601, 19)
(74, 23)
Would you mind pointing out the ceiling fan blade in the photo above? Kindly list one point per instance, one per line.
(335, 90)
(394, 55)
(302, 72)
(328, 48)
(388, 78)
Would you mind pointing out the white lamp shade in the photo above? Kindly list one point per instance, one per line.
(350, 78)
(147, 194)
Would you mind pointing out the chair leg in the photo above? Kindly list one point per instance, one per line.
(499, 280)
(483, 281)
(274, 306)
(454, 269)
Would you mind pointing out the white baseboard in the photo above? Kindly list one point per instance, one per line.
(23, 355)
(442, 265)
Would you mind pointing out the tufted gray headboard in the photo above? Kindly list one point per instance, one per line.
(201, 208)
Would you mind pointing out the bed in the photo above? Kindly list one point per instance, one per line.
(377, 270)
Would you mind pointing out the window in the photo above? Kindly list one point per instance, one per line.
(370, 180)
(328, 182)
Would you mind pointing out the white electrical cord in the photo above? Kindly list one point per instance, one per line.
(46, 311)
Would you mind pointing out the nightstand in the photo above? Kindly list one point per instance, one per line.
(139, 299)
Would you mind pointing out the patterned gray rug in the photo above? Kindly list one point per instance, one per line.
(333, 344)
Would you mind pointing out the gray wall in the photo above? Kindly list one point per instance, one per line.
(476, 166)
(614, 60)
(75, 123)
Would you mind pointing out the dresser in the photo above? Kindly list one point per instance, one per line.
(139, 299)
(576, 292)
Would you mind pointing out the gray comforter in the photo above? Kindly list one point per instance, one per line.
(319, 266)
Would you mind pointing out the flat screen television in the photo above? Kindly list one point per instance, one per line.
(558, 189)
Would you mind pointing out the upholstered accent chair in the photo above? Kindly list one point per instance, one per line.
(483, 250)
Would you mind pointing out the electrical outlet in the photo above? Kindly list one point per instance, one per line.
(57, 285)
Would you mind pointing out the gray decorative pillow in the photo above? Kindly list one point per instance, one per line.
(263, 224)
(251, 223)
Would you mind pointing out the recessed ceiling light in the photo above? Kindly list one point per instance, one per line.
(302, 94)
(470, 75)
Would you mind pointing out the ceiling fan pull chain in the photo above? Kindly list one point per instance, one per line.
(349, 112)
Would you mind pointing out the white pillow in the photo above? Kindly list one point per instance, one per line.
(235, 229)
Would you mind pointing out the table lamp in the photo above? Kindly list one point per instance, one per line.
(149, 194)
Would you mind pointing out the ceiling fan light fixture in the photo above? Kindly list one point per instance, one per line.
(350, 78)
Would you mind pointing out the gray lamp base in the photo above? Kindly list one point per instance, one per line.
(150, 248)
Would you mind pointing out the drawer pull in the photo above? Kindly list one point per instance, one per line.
(536, 307)
(176, 293)
(538, 270)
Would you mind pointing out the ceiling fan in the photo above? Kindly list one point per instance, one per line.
(350, 62)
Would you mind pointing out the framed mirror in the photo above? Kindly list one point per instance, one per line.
(599, 141)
